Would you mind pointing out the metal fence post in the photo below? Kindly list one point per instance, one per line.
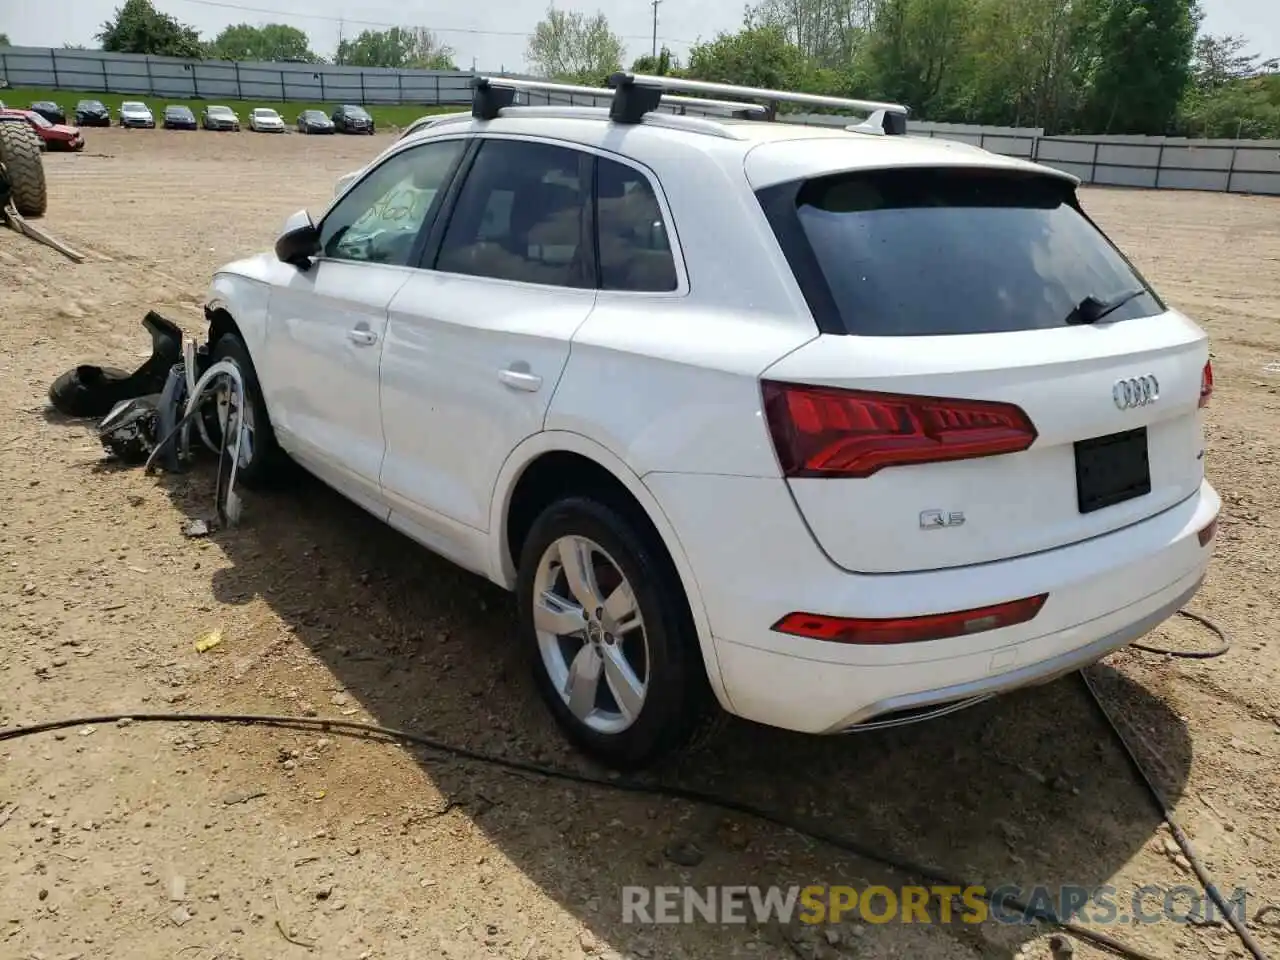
(399, 87)
(1093, 168)
(1231, 168)
(151, 84)
(106, 77)
(284, 94)
(321, 76)
(53, 59)
(362, 93)
(239, 90)
(4, 68)
(1159, 164)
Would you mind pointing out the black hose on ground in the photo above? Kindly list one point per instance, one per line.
(728, 804)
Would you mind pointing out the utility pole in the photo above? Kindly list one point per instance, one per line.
(654, 4)
(341, 24)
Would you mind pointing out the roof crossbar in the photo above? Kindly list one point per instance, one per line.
(892, 116)
(491, 94)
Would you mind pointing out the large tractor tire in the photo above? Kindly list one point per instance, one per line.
(20, 155)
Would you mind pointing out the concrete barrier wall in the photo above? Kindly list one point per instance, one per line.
(1236, 166)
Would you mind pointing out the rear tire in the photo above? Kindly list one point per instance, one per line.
(625, 682)
(267, 465)
(20, 148)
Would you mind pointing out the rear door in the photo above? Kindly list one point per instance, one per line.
(966, 401)
(477, 339)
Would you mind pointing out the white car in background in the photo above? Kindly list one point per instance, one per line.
(832, 429)
(135, 113)
(265, 120)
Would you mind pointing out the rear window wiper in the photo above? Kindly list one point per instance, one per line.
(1091, 309)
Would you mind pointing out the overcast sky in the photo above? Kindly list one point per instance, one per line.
(493, 32)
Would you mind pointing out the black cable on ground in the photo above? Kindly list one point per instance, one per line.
(626, 786)
(1157, 796)
(845, 844)
(1217, 651)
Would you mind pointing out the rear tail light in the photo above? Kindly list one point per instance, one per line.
(1206, 383)
(935, 626)
(1206, 533)
(832, 432)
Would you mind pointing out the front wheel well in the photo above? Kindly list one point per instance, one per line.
(559, 474)
(220, 322)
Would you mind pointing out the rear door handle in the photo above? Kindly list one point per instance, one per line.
(521, 380)
(362, 337)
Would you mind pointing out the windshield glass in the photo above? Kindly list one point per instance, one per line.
(925, 252)
(358, 112)
(39, 121)
(130, 105)
(265, 113)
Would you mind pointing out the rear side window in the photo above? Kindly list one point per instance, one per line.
(948, 251)
(635, 253)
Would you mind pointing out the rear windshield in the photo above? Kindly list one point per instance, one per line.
(948, 251)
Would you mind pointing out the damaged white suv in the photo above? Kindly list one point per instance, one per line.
(827, 428)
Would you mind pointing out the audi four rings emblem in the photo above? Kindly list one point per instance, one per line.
(1136, 392)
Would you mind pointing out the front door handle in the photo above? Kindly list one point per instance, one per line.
(362, 337)
(520, 380)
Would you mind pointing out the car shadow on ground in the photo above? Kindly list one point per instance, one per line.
(1027, 790)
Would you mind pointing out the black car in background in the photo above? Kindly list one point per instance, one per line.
(352, 119)
(50, 111)
(92, 113)
(314, 121)
(178, 117)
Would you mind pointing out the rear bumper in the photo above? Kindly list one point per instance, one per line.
(755, 562)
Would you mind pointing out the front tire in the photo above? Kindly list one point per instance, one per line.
(20, 149)
(614, 650)
(264, 464)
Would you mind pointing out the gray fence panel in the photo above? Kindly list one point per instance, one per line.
(1238, 166)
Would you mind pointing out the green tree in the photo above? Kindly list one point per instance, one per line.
(1141, 65)
(569, 45)
(404, 48)
(274, 41)
(758, 56)
(138, 27)
(828, 32)
(663, 65)
(918, 52)
(4, 40)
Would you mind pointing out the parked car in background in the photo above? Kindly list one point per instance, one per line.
(92, 113)
(265, 120)
(136, 114)
(50, 111)
(314, 121)
(216, 117)
(352, 119)
(53, 136)
(179, 117)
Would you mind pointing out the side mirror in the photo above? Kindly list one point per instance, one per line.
(299, 241)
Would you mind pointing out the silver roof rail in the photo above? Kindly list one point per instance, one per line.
(892, 116)
(494, 93)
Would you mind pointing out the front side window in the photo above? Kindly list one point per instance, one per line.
(379, 219)
(635, 253)
(926, 252)
(520, 215)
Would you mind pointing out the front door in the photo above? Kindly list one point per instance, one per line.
(328, 323)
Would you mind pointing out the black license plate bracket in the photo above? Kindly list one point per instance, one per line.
(1112, 469)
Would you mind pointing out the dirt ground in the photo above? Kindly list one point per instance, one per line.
(202, 841)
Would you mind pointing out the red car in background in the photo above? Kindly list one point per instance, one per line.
(54, 136)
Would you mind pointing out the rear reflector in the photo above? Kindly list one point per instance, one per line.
(935, 626)
(1207, 533)
(832, 432)
(1206, 383)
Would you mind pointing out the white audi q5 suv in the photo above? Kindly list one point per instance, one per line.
(816, 427)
